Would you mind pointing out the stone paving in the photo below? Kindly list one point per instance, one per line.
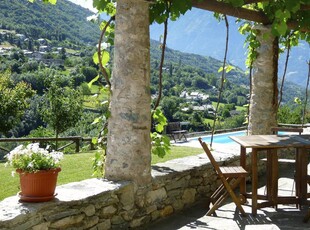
(227, 218)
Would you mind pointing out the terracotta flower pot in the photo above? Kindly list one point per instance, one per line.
(38, 186)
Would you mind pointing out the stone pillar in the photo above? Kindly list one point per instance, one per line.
(129, 144)
(264, 95)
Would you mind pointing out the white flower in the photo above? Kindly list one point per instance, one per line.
(33, 158)
(30, 165)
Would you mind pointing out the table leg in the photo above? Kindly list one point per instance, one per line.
(243, 164)
(254, 181)
(274, 176)
(269, 175)
(301, 175)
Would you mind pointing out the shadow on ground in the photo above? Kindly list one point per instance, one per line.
(285, 217)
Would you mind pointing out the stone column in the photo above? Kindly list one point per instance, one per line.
(264, 95)
(129, 144)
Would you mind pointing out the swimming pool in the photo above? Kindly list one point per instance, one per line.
(223, 138)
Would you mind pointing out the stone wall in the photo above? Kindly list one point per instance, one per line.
(102, 204)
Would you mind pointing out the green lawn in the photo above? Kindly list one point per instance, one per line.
(77, 167)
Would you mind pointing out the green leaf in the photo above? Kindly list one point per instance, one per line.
(105, 57)
(293, 5)
(229, 68)
(281, 28)
(220, 69)
(297, 100)
(92, 81)
(237, 3)
(244, 28)
(94, 140)
(279, 14)
(97, 120)
(96, 58)
(180, 7)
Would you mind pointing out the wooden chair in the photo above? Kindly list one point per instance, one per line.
(175, 132)
(230, 177)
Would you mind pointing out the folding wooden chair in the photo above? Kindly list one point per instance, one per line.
(230, 177)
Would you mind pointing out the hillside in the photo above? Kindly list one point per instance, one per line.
(193, 65)
(39, 43)
(67, 21)
(36, 20)
(205, 63)
(199, 32)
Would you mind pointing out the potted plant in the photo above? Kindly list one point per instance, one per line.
(38, 170)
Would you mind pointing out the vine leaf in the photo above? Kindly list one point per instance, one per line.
(297, 100)
(237, 3)
(92, 81)
(105, 57)
(161, 120)
(227, 68)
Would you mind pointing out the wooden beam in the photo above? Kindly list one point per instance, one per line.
(305, 7)
(243, 13)
(225, 8)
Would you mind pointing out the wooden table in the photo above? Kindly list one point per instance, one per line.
(271, 143)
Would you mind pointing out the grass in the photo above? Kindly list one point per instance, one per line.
(77, 167)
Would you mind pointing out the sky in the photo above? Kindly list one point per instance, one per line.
(85, 3)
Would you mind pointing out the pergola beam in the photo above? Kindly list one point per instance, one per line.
(225, 8)
(243, 13)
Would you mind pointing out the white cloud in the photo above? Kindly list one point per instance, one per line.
(88, 4)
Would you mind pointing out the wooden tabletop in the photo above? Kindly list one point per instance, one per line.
(272, 141)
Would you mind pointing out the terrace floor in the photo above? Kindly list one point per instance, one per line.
(286, 217)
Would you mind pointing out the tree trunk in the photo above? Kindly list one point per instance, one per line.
(129, 143)
(264, 95)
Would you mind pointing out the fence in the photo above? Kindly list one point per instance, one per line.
(74, 140)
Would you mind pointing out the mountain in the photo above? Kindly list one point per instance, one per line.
(193, 66)
(206, 64)
(199, 32)
(64, 20)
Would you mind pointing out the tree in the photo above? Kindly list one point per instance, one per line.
(169, 106)
(13, 102)
(62, 108)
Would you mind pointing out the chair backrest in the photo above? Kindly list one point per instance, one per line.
(276, 130)
(210, 156)
(173, 126)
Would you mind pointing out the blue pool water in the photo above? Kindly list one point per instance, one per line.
(224, 137)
